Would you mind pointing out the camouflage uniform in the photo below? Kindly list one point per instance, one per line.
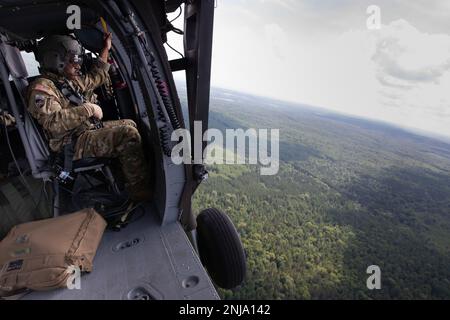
(61, 120)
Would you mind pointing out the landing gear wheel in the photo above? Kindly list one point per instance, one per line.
(220, 248)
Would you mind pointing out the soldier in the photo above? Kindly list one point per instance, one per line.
(63, 102)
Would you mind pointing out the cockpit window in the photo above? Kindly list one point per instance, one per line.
(31, 64)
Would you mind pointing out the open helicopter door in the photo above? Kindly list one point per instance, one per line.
(198, 38)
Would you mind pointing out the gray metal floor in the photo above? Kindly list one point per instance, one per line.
(142, 261)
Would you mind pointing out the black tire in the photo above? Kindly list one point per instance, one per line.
(220, 248)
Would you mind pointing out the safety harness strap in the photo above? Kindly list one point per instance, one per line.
(76, 98)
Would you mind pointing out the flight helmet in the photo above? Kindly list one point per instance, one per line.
(55, 51)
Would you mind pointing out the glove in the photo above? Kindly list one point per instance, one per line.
(7, 120)
(94, 110)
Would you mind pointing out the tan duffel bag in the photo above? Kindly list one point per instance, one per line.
(41, 255)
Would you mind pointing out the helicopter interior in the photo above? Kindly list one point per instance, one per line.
(96, 182)
(139, 31)
(156, 256)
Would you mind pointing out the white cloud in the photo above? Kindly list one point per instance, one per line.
(276, 39)
(320, 53)
(406, 54)
(413, 69)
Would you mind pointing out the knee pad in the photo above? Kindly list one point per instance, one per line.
(129, 122)
(131, 134)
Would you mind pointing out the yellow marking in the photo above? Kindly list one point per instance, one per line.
(105, 27)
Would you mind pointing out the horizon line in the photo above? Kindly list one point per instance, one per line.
(411, 130)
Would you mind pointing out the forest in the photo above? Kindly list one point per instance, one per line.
(350, 193)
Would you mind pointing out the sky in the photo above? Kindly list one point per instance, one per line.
(321, 53)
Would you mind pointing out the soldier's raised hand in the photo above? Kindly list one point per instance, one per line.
(107, 41)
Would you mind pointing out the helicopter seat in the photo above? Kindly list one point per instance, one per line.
(42, 157)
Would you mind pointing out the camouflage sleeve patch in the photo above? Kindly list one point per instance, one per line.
(44, 89)
(39, 100)
(50, 114)
(42, 103)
